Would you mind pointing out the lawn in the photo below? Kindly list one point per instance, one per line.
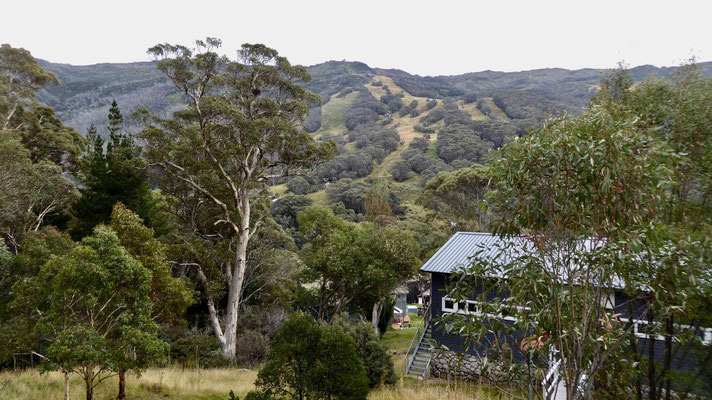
(399, 339)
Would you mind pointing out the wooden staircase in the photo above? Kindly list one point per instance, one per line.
(419, 354)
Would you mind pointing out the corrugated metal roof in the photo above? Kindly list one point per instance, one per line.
(463, 246)
(458, 250)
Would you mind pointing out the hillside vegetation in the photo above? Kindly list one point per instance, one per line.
(373, 114)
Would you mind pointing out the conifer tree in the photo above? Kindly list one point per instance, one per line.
(112, 173)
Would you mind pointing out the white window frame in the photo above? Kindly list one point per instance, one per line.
(706, 332)
(448, 309)
(478, 309)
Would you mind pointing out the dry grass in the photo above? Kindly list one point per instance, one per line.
(279, 190)
(209, 384)
(157, 383)
(496, 111)
(319, 197)
(472, 109)
(411, 389)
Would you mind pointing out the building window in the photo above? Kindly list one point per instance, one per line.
(448, 305)
(471, 307)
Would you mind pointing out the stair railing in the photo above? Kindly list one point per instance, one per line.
(417, 339)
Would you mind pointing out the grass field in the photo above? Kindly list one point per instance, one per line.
(215, 384)
(156, 383)
(206, 384)
(496, 111)
(399, 339)
(333, 114)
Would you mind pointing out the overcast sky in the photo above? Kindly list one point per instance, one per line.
(435, 37)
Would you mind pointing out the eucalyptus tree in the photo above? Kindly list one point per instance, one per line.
(353, 263)
(240, 129)
(170, 296)
(584, 193)
(30, 192)
(40, 131)
(20, 78)
(678, 112)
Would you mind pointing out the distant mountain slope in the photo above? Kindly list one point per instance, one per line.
(405, 128)
(85, 92)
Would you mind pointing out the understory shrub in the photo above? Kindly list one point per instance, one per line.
(372, 353)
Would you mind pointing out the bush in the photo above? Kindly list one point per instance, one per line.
(484, 108)
(423, 129)
(359, 115)
(194, 349)
(469, 98)
(313, 121)
(375, 135)
(372, 353)
(400, 171)
(348, 192)
(313, 361)
(285, 210)
(461, 142)
(433, 117)
(417, 160)
(251, 348)
(299, 185)
(346, 165)
(344, 92)
(352, 195)
(377, 83)
(430, 104)
(387, 121)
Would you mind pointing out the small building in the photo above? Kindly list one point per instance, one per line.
(459, 251)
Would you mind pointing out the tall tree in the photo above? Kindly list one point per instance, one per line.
(584, 193)
(678, 112)
(116, 120)
(352, 263)
(241, 129)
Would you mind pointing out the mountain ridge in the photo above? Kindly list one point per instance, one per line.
(85, 92)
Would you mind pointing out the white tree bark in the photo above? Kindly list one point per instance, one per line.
(376, 316)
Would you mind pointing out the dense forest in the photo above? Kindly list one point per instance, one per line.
(205, 211)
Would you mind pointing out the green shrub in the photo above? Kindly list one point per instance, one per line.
(400, 171)
(372, 353)
(195, 349)
(313, 361)
(299, 185)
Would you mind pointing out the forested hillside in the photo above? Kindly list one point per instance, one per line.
(407, 126)
(85, 92)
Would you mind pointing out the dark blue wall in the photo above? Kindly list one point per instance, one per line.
(684, 359)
